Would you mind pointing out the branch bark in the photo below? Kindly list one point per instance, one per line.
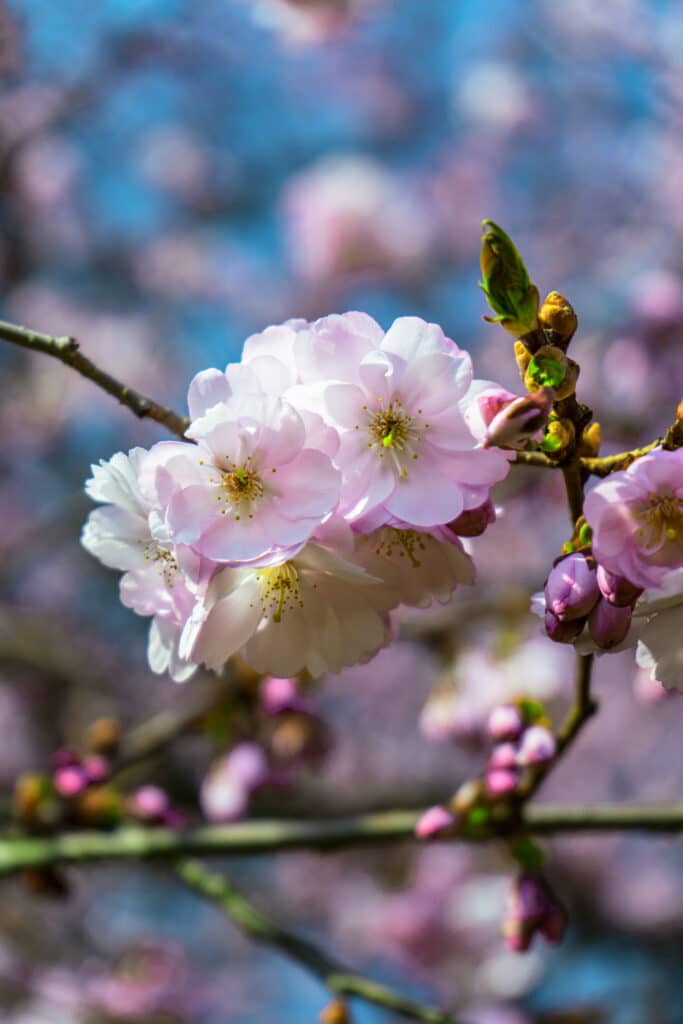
(260, 837)
(67, 351)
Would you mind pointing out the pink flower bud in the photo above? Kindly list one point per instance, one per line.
(474, 521)
(554, 924)
(65, 758)
(503, 756)
(520, 420)
(616, 589)
(70, 781)
(280, 695)
(434, 821)
(150, 803)
(563, 632)
(505, 722)
(537, 746)
(609, 624)
(571, 589)
(501, 780)
(227, 788)
(96, 768)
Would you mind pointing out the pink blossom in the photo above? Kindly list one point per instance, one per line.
(434, 821)
(536, 746)
(637, 518)
(160, 580)
(406, 453)
(497, 417)
(227, 788)
(571, 589)
(318, 610)
(250, 486)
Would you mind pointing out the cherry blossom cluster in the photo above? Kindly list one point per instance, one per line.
(521, 740)
(326, 479)
(627, 585)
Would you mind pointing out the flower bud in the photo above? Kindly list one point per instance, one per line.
(279, 695)
(70, 780)
(550, 368)
(474, 521)
(562, 631)
(571, 589)
(609, 624)
(96, 768)
(500, 781)
(506, 283)
(433, 822)
(557, 315)
(336, 1012)
(148, 803)
(505, 722)
(537, 746)
(102, 736)
(99, 807)
(35, 800)
(591, 439)
(467, 796)
(559, 435)
(531, 907)
(504, 755)
(616, 589)
(520, 420)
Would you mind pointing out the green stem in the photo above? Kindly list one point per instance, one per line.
(260, 837)
(257, 926)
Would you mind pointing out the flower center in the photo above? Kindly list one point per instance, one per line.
(165, 561)
(239, 488)
(661, 519)
(407, 544)
(279, 590)
(393, 433)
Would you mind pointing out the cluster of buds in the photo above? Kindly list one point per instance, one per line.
(578, 591)
(291, 731)
(543, 332)
(522, 738)
(532, 908)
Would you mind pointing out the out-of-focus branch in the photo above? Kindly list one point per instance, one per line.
(272, 836)
(255, 925)
(67, 351)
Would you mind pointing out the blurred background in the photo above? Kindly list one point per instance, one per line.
(175, 176)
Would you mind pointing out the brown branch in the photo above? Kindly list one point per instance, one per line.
(67, 351)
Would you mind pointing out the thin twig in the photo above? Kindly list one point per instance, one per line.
(255, 925)
(260, 837)
(67, 351)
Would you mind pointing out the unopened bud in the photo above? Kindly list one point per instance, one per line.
(500, 781)
(434, 822)
(537, 746)
(591, 439)
(616, 589)
(96, 768)
(474, 521)
(571, 589)
(35, 800)
(550, 368)
(148, 803)
(467, 796)
(520, 420)
(100, 807)
(70, 781)
(563, 631)
(559, 435)
(102, 736)
(609, 624)
(505, 722)
(506, 283)
(557, 315)
(336, 1012)
(531, 907)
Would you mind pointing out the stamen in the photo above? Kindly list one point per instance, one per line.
(279, 590)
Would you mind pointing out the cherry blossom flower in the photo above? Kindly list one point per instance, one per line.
(406, 453)
(637, 519)
(316, 610)
(250, 486)
(160, 580)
